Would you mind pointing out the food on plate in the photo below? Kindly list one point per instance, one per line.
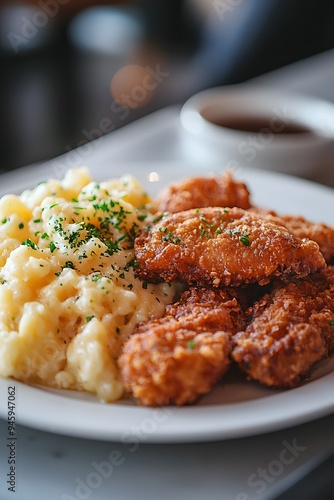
(176, 359)
(69, 295)
(217, 246)
(290, 329)
(199, 192)
(107, 291)
(303, 228)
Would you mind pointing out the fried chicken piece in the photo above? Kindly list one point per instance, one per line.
(178, 358)
(291, 329)
(303, 228)
(222, 247)
(198, 192)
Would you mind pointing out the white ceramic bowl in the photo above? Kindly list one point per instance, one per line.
(298, 153)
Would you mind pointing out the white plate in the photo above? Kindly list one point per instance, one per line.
(235, 407)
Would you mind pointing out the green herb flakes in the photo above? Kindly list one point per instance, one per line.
(245, 240)
(29, 243)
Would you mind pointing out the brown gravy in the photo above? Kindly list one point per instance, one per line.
(256, 124)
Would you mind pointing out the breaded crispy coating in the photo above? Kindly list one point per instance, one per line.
(291, 329)
(217, 247)
(178, 358)
(260, 294)
(320, 233)
(303, 228)
(198, 192)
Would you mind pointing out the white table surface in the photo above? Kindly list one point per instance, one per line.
(50, 466)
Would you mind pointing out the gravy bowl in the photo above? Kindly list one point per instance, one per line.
(243, 125)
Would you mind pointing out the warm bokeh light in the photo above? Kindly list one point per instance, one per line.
(133, 86)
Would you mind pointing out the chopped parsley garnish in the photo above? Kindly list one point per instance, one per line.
(29, 243)
(69, 264)
(52, 247)
(159, 217)
(21, 225)
(169, 237)
(103, 206)
(205, 226)
(89, 318)
(331, 322)
(142, 216)
(191, 344)
(232, 233)
(203, 219)
(245, 240)
(144, 285)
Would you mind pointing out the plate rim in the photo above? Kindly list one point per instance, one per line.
(163, 428)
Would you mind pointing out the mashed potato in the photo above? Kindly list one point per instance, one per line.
(69, 295)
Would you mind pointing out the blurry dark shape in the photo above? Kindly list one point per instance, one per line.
(21, 29)
(172, 25)
(58, 59)
(313, 480)
(67, 8)
(34, 86)
(108, 44)
(51, 89)
(243, 39)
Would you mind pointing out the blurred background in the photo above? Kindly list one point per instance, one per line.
(73, 70)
